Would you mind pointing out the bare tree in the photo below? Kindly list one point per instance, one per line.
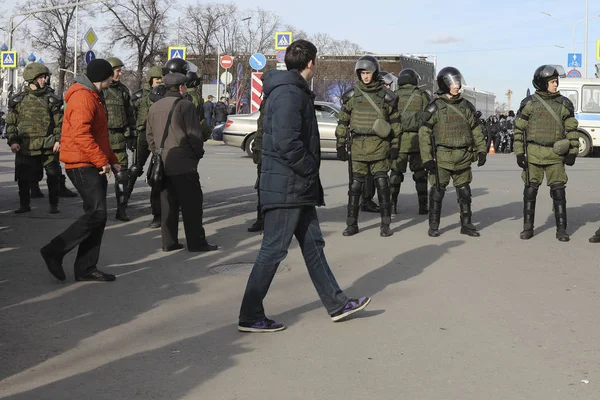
(202, 24)
(139, 25)
(51, 31)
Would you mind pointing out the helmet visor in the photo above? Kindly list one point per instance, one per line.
(456, 79)
(192, 67)
(366, 65)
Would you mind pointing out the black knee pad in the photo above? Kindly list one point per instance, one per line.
(437, 195)
(557, 191)
(420, 176)
(530, 192)
(464, 191)
(356, 187)
(382, 182)
(358, 177)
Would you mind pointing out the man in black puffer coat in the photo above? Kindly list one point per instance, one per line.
(290, 190)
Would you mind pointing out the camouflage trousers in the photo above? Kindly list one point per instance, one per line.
(376, 168)
(459, 178)
(399, 168)
(555, 173)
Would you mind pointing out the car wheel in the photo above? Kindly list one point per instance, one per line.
(585, 145)
(249, 142)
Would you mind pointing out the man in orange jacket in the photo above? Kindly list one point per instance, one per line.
(88, 158)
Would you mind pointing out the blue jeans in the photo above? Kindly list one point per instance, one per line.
(279, 226)
(87, 230)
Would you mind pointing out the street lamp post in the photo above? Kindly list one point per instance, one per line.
(574, 29)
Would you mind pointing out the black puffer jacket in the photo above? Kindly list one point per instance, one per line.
(291, 150)
(220, 112)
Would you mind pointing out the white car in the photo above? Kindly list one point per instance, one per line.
(240, 129)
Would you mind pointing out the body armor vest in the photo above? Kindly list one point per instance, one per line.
(411, 118)
(364, 115)
(451, 129)
(543, 128)
(115, 104)
(34, 117)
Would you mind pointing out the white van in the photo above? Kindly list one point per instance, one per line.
(585, 96)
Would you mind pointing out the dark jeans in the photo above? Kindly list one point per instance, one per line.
(88, 230)
(182, 191)
(279, 226)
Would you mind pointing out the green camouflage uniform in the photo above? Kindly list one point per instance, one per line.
(459, 141)
(542, 130)
(198, 101)
(411, 104)
(121, 120)
(369, 152)
(34, 121)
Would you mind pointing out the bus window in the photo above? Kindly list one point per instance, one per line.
(571, 95)
(591, 99)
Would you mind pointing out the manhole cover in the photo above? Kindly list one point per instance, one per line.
(239, 269)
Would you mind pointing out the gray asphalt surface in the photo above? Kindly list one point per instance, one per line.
(452, 317)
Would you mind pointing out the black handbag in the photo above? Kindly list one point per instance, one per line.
(156, 173)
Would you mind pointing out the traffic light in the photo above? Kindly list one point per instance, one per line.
(597, 71)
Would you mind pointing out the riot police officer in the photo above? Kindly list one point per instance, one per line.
(121, 130)
(411, 104)
(370, 124)
(141, 103)
(546, 140)
(450, 120)
(33, 126)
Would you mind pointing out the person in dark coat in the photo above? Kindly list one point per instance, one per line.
(183, 149)
(208, 107)
(290, 189)
(220, 111)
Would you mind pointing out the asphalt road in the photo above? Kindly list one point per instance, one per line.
(452, 317)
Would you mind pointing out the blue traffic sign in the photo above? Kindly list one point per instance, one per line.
(177, 52)
(574, 74)
(574, 60)
(258, 61)
(280, 56)
(9, 59)
(89, 56)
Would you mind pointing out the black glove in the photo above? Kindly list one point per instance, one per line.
(256, 156)
(342, 153)
(394, 153)
(429, 166)
(521, 161)
(481, 159)
(570, 159)
(131, 142)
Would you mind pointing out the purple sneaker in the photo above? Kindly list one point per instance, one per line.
(352, 306)
(265, 325)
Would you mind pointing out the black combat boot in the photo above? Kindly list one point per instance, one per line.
(421, 186)
(463, 194)
(435, 210)
(559, 199)
(121, 204)
(353, 205)
(385, 205)
(36, 192)
(368, 205)
(63, 190)
(596, 237)
(257, 226)
(529, 197)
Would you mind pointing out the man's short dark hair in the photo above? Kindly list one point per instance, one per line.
(299, 53)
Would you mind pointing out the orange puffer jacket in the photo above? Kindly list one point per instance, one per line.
(84, 141)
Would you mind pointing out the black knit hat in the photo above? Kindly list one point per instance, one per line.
(99, 70)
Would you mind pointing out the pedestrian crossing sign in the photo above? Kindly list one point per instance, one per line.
(282, 40)
(177, 52)
(8, 59)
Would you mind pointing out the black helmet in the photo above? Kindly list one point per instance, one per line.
(478, 114)
(408, 75)
(192, 79)
(367, 63)
(543, 75)
(176, 65)
(448, 76)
